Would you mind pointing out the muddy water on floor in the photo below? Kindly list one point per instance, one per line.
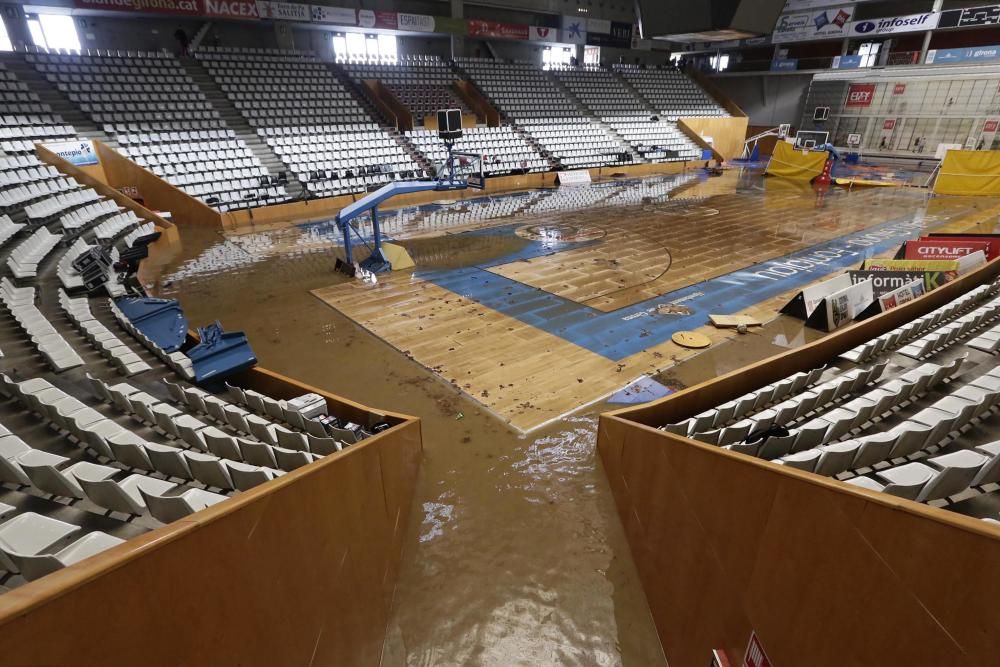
(514, 552)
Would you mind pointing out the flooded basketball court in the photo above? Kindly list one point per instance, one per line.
(515, 553)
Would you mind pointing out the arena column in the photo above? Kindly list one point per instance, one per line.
(457, 41)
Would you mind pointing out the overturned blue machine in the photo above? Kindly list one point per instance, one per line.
(216, 354)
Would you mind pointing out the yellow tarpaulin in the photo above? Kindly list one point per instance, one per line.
(969, 173)
(397, 256)
(799, 165)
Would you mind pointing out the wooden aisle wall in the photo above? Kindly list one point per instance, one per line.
(827, 574)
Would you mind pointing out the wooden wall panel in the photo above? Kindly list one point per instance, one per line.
(156, 192)
(826, 573)
(728, 134)
(297, 571)
(475, 101)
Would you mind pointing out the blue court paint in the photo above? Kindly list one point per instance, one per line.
(624, 332)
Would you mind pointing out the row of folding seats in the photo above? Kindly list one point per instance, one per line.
(921, 325)
(926, 428)
(987, 341)
(828, 427)
(68, 276)
(18, 196)
(28, 543)
(199, 451)
(8, 229)
(178, 361)
(750, 402)
(670, 91)
(108, 230)
(71, 196)
(949, 333)
(20, 302)
(24, 259)
(119, 354)
(317, 434)
(87, 215)
(794, 409)
(19, 175)
(133, 495)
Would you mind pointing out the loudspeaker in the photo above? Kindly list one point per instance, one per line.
(449, 123)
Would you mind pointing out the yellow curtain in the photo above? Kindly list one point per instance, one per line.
(969, 173)
(788, 162)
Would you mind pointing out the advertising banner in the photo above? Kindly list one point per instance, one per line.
(974, 17)
(449, 25)
(899, 89)
(284, 11)
(543, 34)
(620, 36)
(978, 54)
(574, 30)
(416, 22)
(847, 62)
(943, 249)
(179, 7)
(818, 24)
(860, 95)
(895, 24)
(378, 19)
(901, 295)
(78, 153)
(338, 15)
(602, 26)
(231, 9)
(495, 30)
(784, 64)
(800, 5)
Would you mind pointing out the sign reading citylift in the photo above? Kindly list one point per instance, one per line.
(860, 95)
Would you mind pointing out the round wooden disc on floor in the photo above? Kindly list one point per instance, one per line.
(691, 339)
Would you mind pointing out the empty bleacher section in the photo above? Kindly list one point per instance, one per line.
(163, 122)
(25, 119)
(901, 405)
(670, 92)
(87, 461)
(423, 84)
(503, 150)
(629, 116)
(528, 98)
(309, 119)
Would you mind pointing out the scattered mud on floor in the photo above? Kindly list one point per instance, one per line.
(515, 553)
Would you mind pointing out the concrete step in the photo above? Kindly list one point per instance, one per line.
(238, 123)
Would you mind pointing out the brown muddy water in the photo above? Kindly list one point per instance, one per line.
(514, 554)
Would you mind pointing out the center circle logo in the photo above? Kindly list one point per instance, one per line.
(867, 26)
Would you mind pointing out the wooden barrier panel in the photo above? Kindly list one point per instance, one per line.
(169, 243)
(298, 571)
(156, 192)
(728, 133)
(716, 94)
(388, 104)
(469, 94)
(825, 573)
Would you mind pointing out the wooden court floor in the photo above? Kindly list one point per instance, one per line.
(529, 376)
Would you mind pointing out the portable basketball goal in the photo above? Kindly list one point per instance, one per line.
(459, 171)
